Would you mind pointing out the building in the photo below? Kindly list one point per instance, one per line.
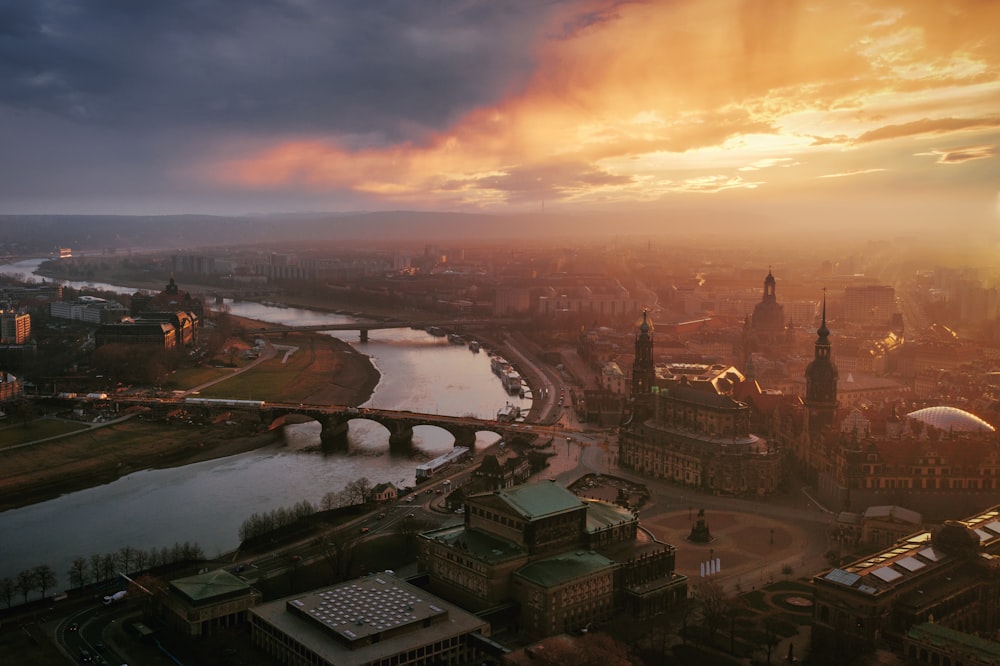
(505, 469)
(137, 332)
(88, 309)
(15, 327)
(376, 620)
(10, 386)
(821, 382)
(688, 427)
(384, 492)
(870, 304)
(933, 644)
(207, 603)
(557, 561)
(950, 576)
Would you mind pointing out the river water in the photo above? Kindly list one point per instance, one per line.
(205, 503)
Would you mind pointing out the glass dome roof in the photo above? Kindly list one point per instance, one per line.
(951, 419)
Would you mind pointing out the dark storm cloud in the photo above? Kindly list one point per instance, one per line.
(375, 70)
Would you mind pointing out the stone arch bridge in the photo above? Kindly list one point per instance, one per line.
(334, 420)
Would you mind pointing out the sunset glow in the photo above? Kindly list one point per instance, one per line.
(593, 103)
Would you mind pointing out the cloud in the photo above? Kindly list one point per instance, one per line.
(844, 174)
(388, 70)
(928, 126)
(478, 103)
(962, 154)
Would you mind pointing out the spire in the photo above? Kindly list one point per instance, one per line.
(823, 331)
(645, 327)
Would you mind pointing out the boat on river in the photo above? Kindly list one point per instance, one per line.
(508, 413)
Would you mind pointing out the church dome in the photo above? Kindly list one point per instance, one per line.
(951, 419)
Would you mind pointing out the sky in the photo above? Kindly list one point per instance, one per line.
(804, 110)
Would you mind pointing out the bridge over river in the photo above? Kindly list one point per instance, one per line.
(371, 325)
(334, 419)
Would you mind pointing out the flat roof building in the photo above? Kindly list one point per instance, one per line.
(377, 619)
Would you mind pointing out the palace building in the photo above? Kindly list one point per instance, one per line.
(555, 561)
(949, 577)
(688, 426)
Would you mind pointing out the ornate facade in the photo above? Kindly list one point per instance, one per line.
(688, 427)
(544, 550)
(950, 577)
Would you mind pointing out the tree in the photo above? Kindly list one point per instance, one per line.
(714, 604)
(592, 649)
(358, 491)
(95, 567)
(7, 589)
(108, 564)
(45, 577)
(25, 583)
(126, 556)
(770, 636)
(78, 571)
(339, 547)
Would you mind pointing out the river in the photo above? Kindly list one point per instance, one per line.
(205, 503)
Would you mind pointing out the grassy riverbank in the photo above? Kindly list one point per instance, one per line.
(310, 368)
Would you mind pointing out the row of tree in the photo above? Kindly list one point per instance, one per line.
(356, 492)
(259, 524)
(96, 569)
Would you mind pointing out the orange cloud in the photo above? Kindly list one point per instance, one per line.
(963, 154)
(633, 101)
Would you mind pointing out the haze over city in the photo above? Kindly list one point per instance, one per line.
(881, 113)
(618, 331)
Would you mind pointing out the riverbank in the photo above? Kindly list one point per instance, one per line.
(326, 370)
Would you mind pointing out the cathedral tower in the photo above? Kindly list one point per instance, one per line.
(643, 367)
(821, 382)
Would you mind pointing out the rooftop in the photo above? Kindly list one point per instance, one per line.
(366, 619)
(539, 499)
(563, 568)
(209, 586)
(951, 419)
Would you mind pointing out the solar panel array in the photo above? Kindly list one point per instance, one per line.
(368, 606)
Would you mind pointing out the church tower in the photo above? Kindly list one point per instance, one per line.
(821, 382)
(643, 367)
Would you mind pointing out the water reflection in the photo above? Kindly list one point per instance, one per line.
(206, 502)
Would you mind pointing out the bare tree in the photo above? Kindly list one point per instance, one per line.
(126, 556)
(45, 577)
(7, 589)
(358, 491)
(592, 649)
(714, 605)
(95, 567)
(338, 549)
(108, 564)
(78, 571)
(25, 583)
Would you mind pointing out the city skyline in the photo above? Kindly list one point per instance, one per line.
(879, 112)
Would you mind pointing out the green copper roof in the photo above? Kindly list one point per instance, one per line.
(209, 585)
(540, 499)
(564, 568)
(988, 651)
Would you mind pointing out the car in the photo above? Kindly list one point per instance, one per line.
(85, 656)
(364, 530)
(73, 626)
(296, 558)
(438, 491)
(381, 516)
